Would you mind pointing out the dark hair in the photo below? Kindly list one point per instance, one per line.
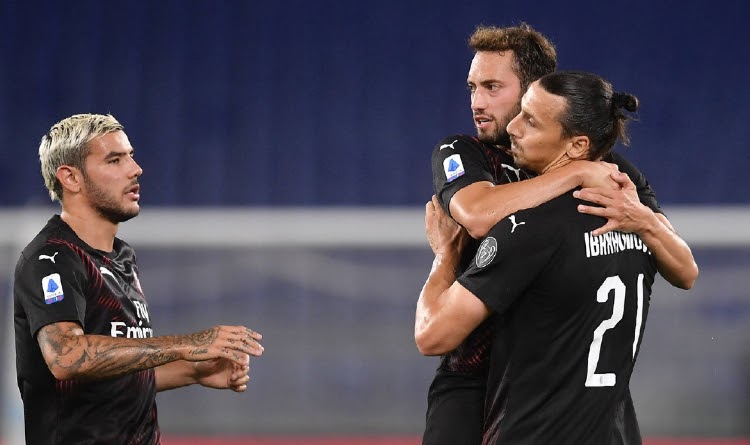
(592, 109)
(533, 55)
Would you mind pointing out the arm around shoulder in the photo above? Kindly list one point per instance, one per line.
(479, 206)
(624, 211)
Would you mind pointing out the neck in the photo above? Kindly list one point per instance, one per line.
(558, 162)
(91, 227)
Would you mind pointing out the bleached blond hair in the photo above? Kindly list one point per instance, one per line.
(66, 143)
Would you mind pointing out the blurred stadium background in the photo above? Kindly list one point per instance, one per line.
(285, 149)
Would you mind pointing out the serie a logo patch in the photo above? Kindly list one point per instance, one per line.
(52, 287)
(453, 167)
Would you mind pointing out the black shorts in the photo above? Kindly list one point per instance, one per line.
(455, 409)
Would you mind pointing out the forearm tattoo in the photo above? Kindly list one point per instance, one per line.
(97, 356)
(199, 340)
(71, 354)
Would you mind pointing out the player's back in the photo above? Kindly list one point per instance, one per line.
(561, 367)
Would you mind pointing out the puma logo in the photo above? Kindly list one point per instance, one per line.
(449, 145)
(47, 257)
(516, 170)
(512, 219)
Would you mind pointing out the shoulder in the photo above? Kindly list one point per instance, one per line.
(457, 143)
(557, 206)
(541, 223)
(622, 163)
(55, 245)
(55, 252)
(52, 238)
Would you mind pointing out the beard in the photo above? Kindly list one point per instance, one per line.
(107, 205)
(519, 161)
(500, 135)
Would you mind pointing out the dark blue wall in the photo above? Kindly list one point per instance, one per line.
(340, 103)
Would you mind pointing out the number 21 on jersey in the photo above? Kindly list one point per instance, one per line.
(615, 284)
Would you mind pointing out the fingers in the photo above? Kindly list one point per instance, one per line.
(239, 378)
(610, 226)
(433, 203)
(429, 210)
(591, 210)
(433, 207)
(240, 388)
(623, 179)
(597, 196)
(235, 343)
(244, 340)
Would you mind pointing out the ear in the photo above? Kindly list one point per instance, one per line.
(578, 147)
(70, 177)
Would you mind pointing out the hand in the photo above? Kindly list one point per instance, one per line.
(235, 343)
(598, 174)
(221, 373)
(622, 208)
(443, 233)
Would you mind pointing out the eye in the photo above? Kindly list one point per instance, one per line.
(471, 88)
(114, 161)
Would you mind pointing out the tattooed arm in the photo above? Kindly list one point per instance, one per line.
(70, 353)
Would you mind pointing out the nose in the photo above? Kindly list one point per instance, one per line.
(137, 170)
(513, 126)
(478, 100)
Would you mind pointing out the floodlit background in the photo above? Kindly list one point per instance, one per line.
(285, 148)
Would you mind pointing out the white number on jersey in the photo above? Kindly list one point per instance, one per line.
(602, 295)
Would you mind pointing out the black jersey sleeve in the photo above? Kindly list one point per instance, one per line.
(49, 286)
(516, 250)
(645, 192)
(458, 161)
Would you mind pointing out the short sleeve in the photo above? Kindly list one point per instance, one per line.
(458, 161)
(516, 250)
(49, 284)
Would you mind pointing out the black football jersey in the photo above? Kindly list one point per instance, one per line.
(574, 308)
(457, 392)
(60, 278)
(459, 161)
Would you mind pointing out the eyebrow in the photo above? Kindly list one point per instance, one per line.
(485, 81)
(118, 154)
(491, 81)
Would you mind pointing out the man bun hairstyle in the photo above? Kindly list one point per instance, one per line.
(626, 101)
(592, 109)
